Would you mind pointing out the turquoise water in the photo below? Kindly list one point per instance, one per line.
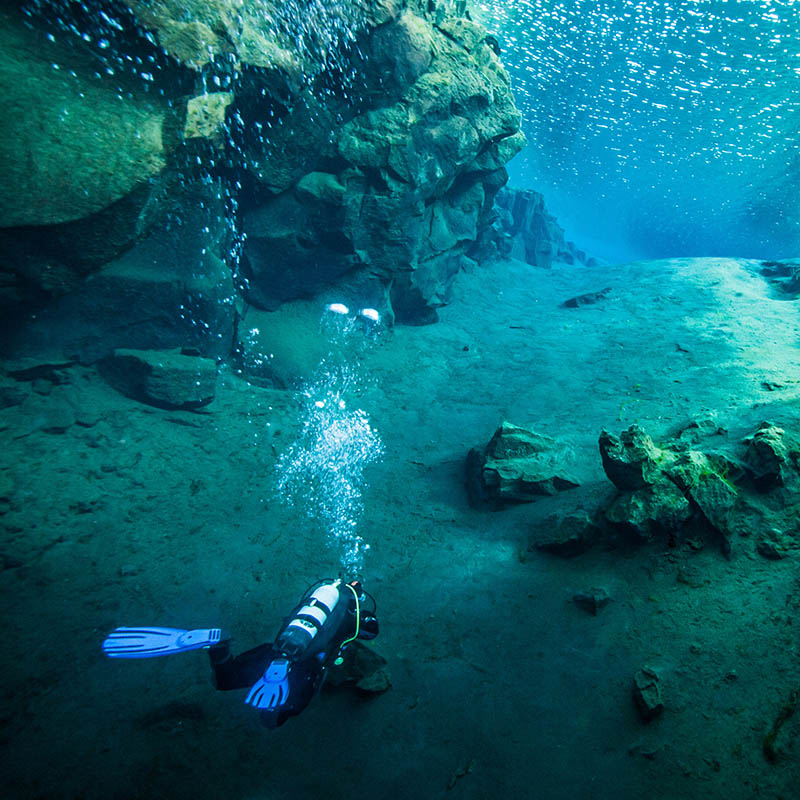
(660, 128)
(267, 437)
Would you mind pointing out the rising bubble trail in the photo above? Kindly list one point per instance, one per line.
(322, 471)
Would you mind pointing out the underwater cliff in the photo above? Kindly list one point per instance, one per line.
(317, 324)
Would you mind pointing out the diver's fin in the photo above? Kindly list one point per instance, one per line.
(150, 642)
(271, 691)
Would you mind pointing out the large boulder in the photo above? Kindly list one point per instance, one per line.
(163, 378)
(72, 142)
(662, 490)
(517, 466)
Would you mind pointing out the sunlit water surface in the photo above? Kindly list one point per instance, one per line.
(659, 128)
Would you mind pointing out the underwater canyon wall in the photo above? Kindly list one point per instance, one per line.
(169, 165)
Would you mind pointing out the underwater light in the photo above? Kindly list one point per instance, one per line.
(337, 308)
(370, 314)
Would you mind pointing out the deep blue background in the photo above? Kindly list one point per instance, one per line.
(657, 131)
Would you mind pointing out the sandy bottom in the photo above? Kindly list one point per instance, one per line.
(502, 686)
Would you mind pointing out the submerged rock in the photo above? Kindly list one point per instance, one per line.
(647, 693)
(588, 299)
(631, 460)
(770, 456)
(533, 235)
(172, 289)
(705, 483)
(361, 141)
(699, 429)
(665, 489)
(565, 535)
(163, 378)
(774, 545)
(73, 144)
(363, 668)
(517, 466)
(592, 600)
(406, 186)
(784, 275)
(660, 508)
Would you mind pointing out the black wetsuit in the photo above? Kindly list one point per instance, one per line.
(308, 671)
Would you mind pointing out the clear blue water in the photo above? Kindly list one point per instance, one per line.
(659, 129)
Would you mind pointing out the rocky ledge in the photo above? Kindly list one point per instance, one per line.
(167, 166)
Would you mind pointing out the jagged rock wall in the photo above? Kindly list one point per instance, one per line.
(167, 162)
(524, 229)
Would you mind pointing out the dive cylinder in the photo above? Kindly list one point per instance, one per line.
(298, 634)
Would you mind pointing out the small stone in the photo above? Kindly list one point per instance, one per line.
(592, 600)
(128, 570)
(647, 751)
(692, 576)
(772, 546)
(647, 693)
(565, 535)
(590, 298)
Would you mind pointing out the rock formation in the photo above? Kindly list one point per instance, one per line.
(647, 693)
(784, 276)
(517, 466)
(166, 163)
(663, 490)
(525, 230)
(565, 534)
(164, 379)
(693, 486)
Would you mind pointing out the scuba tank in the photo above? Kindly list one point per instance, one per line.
(301, 630)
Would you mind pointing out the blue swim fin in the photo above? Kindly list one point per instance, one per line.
(150, 642)
(271, 691)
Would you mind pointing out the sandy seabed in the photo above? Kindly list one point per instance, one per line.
(118, 513)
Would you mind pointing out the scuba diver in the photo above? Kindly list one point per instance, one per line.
(285, 675)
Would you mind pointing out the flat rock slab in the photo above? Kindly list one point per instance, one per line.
(166, 379)
(588, 299)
